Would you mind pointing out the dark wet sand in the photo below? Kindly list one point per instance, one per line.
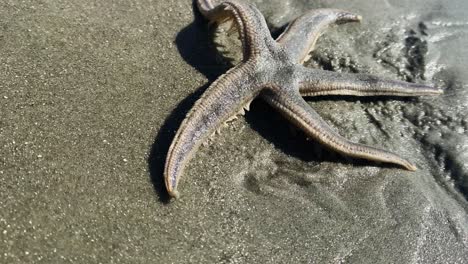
(92, 91)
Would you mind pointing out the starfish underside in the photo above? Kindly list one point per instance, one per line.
(272, 69)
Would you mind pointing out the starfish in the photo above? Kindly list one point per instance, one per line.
(272, 70)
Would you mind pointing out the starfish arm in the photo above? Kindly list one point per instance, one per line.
(221, 101)
(250, 23)
(300, 36)
(294, 108)
(318, 82)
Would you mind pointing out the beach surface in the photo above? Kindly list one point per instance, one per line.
(92, 92)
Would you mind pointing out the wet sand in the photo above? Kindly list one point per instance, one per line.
(91, 93)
